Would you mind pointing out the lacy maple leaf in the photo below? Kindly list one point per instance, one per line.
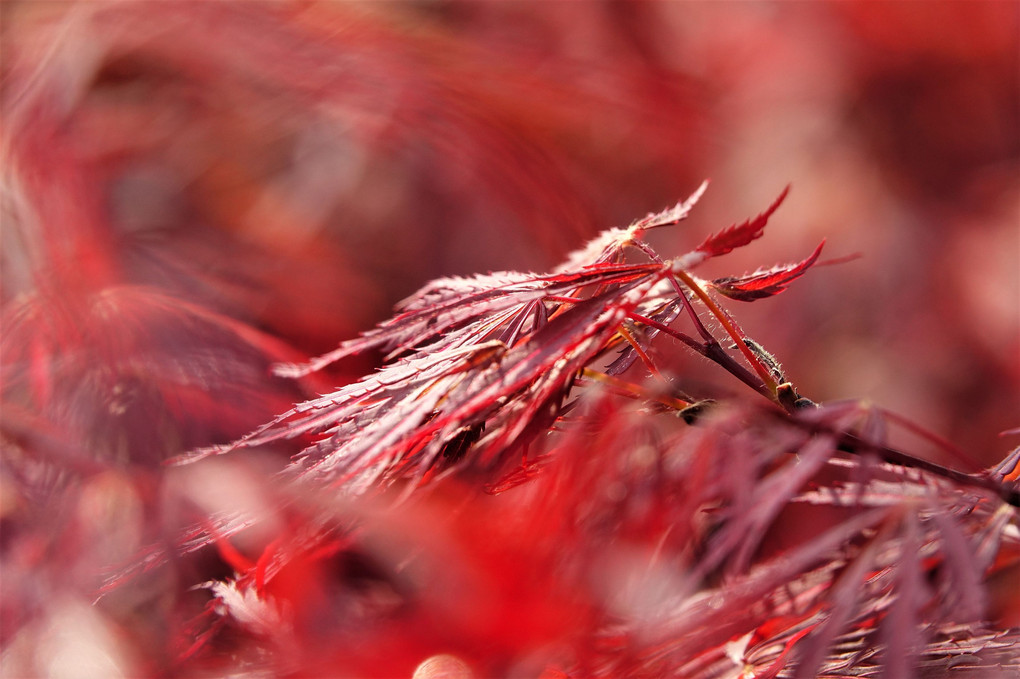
(486, 363)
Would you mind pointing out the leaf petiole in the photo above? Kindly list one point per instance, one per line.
(631, 389)
(731, 329)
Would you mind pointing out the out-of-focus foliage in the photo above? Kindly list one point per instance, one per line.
(194, 192)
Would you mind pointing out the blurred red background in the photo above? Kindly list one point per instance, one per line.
(302, 166)
(192, 191)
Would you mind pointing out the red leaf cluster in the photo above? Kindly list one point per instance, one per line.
(588, 472)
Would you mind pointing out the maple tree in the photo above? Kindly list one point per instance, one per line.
(529, 387)
(591, 471)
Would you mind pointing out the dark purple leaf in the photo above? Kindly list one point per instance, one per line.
(745, 532)
(963, 597)
(842, 604)
(902, 632)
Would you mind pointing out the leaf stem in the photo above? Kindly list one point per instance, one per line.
(688, 307)
(711, 351)
(625, 334)
(633, 389)
(731, 329)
